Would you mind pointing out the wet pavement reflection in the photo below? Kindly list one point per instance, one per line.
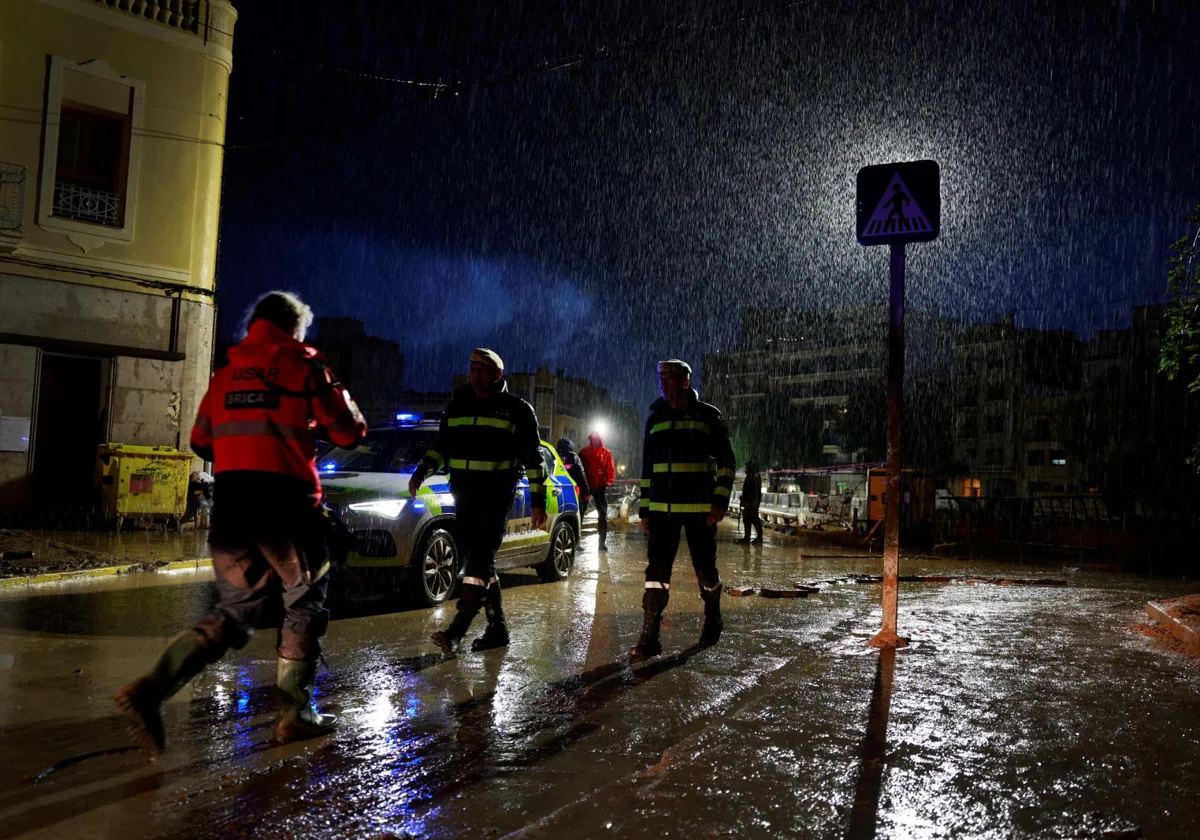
(1016, 711)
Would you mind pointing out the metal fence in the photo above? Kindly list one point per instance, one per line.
(12, 198)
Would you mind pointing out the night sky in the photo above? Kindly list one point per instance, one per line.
(699, 156)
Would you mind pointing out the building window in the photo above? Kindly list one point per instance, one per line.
(93, 152)
(993, 425)
(1036, 458)
(970, 488)
(994, 457)
(1058, 457)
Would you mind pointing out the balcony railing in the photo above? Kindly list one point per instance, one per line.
(12, 199)
(187, 15)
(85, 204)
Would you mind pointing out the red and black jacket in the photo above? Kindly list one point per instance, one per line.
(265, 410)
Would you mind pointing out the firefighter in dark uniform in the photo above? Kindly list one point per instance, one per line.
(485, 436)
(687, 475)
(259, 423)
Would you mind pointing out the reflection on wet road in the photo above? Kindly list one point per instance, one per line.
(1017, 711)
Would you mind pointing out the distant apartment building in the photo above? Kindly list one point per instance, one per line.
(371, 368)
(818, 359)
(1010, 385)
(112, 128)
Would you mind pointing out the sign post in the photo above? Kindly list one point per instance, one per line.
(897, 203)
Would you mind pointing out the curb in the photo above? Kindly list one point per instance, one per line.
(104, 571)
(1184, 633)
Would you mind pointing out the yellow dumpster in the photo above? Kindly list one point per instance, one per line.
(147, 482)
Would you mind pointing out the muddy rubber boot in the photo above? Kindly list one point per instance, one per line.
(710, 634)
(496, 634)
(141, 700)
(297, 718)
(654, 601)
(469, 603)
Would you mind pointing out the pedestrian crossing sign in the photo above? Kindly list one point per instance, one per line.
(899, 202)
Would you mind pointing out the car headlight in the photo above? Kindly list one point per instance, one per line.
(387, 508)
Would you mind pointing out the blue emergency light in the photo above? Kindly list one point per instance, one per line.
(329, 466)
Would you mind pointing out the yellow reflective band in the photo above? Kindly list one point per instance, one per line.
(722, 491)
(535, 472)
(680, 425)
(725, 473)
(645, 482)
(682, 468)
(482, 466)
(436, 457)
(663, 507)
(536, 488)
(494, 422)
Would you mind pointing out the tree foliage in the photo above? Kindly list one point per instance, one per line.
(1180, 356)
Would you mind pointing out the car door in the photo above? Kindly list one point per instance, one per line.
(515, 544)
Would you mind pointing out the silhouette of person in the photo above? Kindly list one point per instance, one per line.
(897, 202)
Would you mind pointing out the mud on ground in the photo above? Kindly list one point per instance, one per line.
(48, 556)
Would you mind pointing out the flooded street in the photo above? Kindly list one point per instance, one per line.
(1016, 711)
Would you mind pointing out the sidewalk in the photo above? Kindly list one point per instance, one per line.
(60, 555)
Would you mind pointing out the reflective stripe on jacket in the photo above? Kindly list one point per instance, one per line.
(687, 459)
(484, 441)
(265, 410)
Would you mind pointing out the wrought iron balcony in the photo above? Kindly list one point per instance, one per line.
(12, 205)
(86, 204)
(12, 199)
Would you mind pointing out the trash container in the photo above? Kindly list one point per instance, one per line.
(147, 482)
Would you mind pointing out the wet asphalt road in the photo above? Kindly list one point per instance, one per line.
(1022, 711)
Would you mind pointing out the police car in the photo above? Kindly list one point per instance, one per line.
(411, 544)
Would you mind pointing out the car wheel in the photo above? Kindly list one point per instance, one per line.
(558, 565)
(435, 567)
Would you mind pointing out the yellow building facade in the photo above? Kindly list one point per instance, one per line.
(112, 127)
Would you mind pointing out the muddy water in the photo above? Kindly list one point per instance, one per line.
(1016, 711)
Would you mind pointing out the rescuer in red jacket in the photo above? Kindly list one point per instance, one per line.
(598, 464)
(258, 424)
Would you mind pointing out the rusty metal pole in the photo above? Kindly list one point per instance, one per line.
(888, 637)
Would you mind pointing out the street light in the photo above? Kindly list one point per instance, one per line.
(600, 427)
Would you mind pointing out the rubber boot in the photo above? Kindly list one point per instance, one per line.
(654, 601)
(496, 634)
(297, 718)
(710, 634)
(141, 700)
(469, 603)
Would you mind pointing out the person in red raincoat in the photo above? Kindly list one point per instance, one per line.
(598, 464)
(259, 424)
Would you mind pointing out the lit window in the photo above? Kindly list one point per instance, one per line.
(1058, 458)
(93, 151)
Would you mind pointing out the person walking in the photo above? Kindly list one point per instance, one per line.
(566, 451)
(486, 434)
(750, 500)
(601, 473)
(687, 477)
(258, 424)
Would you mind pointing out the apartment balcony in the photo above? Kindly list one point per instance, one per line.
(12, 205)
(86, 204)
(186, 15)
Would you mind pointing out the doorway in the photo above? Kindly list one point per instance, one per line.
(70, 424)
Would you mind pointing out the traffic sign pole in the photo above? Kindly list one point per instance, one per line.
(888, 637)
(896, 203)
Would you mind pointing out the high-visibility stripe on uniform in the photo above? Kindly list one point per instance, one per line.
(495, 422)
(683, 468)
(481, 466)
(657, 584)
(680, 425)
(687, 507)
(722, 491)
(725, 473)
(262, 428)
(645, 484)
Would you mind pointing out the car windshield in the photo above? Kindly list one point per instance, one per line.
(382, 450)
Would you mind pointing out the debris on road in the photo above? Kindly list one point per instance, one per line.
(27, 554)
(1177, 618)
